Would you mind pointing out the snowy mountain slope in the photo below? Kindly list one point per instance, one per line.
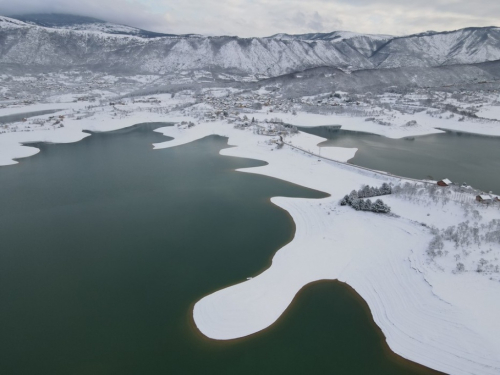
(446, 77)
(104, 46)
(336, 36)
(365, 44)
(72, 22)
(466, 46)
(31, 45)
(7, 23)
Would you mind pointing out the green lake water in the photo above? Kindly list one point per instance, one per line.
(461, 157)
(106, 244)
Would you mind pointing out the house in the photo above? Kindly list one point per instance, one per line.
(484, 198)
(444, 182)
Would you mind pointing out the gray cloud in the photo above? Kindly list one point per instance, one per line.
(267, 17)
(299, 19)
(316, 23)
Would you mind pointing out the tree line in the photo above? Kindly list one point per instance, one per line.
(356, 199)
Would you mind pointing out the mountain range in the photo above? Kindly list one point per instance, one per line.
(48, 42)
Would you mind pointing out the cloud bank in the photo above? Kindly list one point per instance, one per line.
(266, 17)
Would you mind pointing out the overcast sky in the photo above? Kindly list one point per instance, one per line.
(266, 17)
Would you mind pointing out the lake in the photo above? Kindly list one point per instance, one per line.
(461, 157)
(106, 244)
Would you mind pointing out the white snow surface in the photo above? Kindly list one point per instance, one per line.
(423, 316)
(336, 36)
(12, 144)
(104, 27)
(442, 320)
(18, 109)
(426, 125)
(491, 112)
(11, 23)
(274, 56)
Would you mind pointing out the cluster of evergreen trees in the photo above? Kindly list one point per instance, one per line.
(370, 191)
(356, 201)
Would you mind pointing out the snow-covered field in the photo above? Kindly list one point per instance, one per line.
(492, 112)
(429, 314)
(352, 123)
(425, 124)
(423, 315)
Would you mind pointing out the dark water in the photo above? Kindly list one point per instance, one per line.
(20, 116)
(107, 244)
(460, 157)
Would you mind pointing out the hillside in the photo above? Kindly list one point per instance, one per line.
(95, 44)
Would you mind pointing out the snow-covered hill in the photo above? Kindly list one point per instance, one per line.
(7, 23)
(465, 46)
(336, 36)
(105, 46)
(82, 23)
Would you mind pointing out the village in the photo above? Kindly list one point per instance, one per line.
(267, 111)
(424, 235)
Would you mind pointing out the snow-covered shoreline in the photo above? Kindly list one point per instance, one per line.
(15, 145)
(373, 254)
(431, 317)
(426, 125)
(12, 145)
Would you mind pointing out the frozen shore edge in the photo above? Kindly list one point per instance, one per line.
(418, 326)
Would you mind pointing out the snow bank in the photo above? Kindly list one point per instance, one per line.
(348, 123)
(427, 322)
(19, 109)
(441, 320)
(491, 112)
(425, 124)
(15, 145)
(11, 147)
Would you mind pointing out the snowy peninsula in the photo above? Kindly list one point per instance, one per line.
(429, 270)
